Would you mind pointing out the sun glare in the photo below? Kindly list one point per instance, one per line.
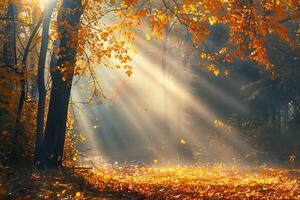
(43, 3)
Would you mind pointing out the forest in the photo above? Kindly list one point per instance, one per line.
(149, 99)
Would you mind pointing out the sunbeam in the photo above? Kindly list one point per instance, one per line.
(145, 118)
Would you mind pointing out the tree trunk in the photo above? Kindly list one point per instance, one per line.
(41, 82)
(10, 62)
(9, 47)
(55, 131)
(22, 97)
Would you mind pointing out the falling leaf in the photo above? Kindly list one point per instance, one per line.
(148, 36)
(226, 72)
(216, 72)
(155, 161)
(203, 55)
(218, 123)
(182, 141)
(128, 72)
(82, 138)
(292, 158)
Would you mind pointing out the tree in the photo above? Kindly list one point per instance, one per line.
(10, 62)
(68, 27)
(41, 81)
(9, 46)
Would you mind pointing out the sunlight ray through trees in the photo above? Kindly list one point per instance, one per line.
(138, 100)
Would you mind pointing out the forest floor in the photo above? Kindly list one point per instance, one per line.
(199, 182)
(21, 183)
(141, 182)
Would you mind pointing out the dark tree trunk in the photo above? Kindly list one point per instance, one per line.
(55, 131)
(41, 82)
(10, 62)
(9, 47)
(22, 97)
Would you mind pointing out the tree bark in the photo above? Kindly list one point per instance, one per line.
(41, 82)
(9, 47)
(22, 97)
(10, 62)
(55, 130)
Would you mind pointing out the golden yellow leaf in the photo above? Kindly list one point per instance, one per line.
(182, 141)
(78, 194)
(212, 20)
(148, 36)
(216, 72)
(203, 55)
(82, 138)
(218, 123)
(155, 161)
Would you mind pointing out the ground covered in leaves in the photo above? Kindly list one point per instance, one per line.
(141, 182)
(206, 182)
(22, 183)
